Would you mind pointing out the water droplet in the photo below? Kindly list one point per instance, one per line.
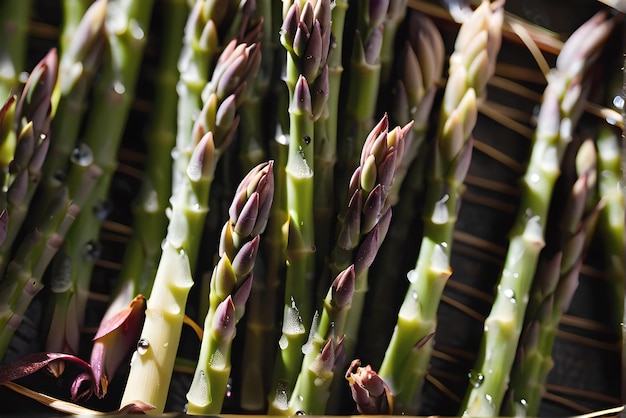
(618, 102)
(412, 276)
(82, 155)
(229, 388)
(93, 250)
(509, 293)
(415, 296)
(166, 344)
(535, 178)
(174, 309)
(142, 346)
(102, 209)
(23, 77)
(135, 30)
(521, 408)
(119, 87)
(300, 412)
(476, 378)
(306, 139)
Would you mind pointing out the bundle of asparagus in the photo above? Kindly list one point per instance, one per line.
(292, 136)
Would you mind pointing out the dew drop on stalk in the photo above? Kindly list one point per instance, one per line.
(135, 30)
(618, 102)
(119, 87)
(92, 251)
(510, 294)
(521, 408)
(142, 346)
(81, 155)
(476, 378)
(300, 412)
(229, 388)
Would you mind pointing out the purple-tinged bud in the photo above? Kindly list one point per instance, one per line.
(202, 161)
(290, 26)
(383, 223)
(312, 56)
(372, 209)
(366, 253)
(227, 241)
(301, 103)
(258, 182)
(244, 260)
(24, 149)
(226, 112)
(387, 169)
(240, 298)
(370, 392)
(377, 12)
(224, 279)
(115, 338)
(39, 155)
(307, 17)
(323, 14)
(355, 181)
(320, 92)
(265, 189)
(584, 42)
(381, 128)
(412, 75)
(224, 320)
(350, 231)
(301, 40)
(248, 216)
(373, 46)
(342, 288)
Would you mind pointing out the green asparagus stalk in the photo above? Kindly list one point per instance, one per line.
(14, 17)
(81, 57)
(126, 26)
(305, 35)
(396, 13)
(206, 33)
(471, 65)
(326, 129)
(230, 288)
(553, 289)
(8, 139)
(364, 82)
(143, 249)
(420, 68)
(153, 364)
(323, 352)
(559, 113)
(363, 224)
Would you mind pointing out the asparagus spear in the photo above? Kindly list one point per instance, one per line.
(364, 82)
(471, 65)
(81, 57)
(553, 289)
(305, 35)
(153, 361)
(363, 224)
(230, 287)
(323, 352)
(326, 130)
(126, 26)
(559, 113)
(32, 126)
